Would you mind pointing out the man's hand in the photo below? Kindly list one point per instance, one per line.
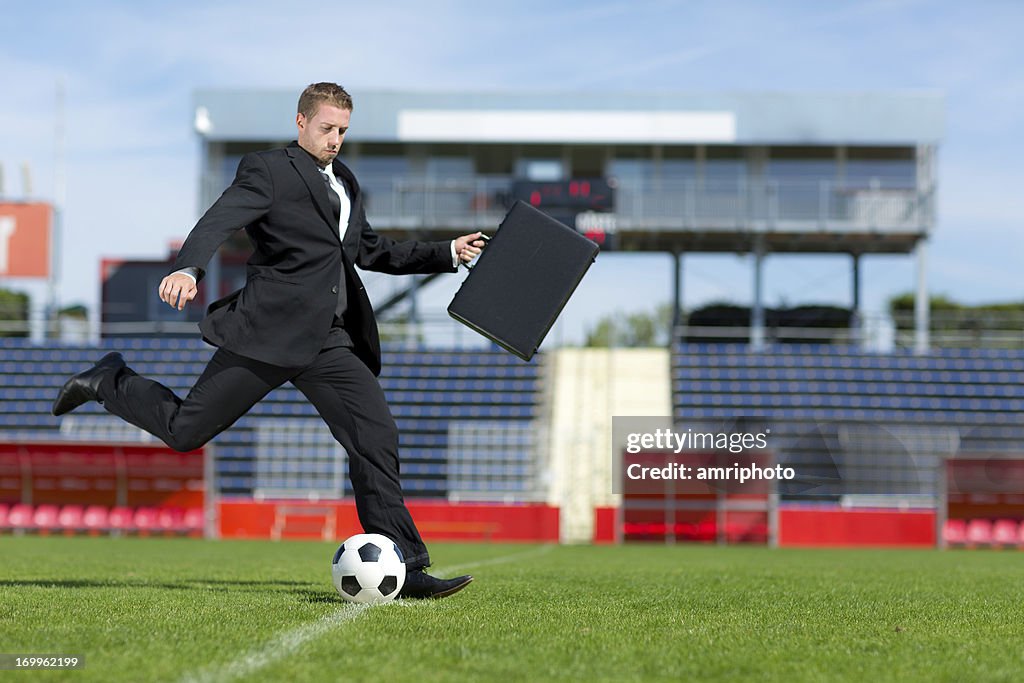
(177, 289)
(468, 247)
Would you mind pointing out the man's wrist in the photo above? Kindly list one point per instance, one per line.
(455, 257)
(191, 271)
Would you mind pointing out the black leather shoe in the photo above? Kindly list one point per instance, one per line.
(420, 585)
(82, 387)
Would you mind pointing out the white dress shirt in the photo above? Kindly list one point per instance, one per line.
(346, 203)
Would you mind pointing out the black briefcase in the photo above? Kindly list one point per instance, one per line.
(523, 279)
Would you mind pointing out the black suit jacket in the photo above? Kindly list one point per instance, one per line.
(283, 314)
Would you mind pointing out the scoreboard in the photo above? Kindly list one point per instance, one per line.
(585, 204)
(579, 195)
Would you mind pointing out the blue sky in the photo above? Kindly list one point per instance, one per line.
(132, 158)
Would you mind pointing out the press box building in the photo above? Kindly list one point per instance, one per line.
(681, 173)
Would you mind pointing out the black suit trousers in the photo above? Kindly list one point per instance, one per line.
(337, 383)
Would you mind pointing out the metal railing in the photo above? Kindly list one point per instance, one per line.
(772, 205)
(875, 331)
(433, 330)
(967, 327)
(496, 460)
(297, 458)
(421, 202)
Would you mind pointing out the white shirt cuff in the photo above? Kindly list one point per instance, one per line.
(186, 271)
(455, 257)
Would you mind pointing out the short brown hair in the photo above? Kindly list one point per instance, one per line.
(318, 93)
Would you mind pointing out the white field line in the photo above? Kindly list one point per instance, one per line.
(286, 643)
(281, 646)
(501, 559)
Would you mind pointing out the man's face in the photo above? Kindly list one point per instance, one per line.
(322, 134)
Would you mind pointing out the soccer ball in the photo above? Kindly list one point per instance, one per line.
(368, 568)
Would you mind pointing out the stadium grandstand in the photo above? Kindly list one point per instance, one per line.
(918, 444)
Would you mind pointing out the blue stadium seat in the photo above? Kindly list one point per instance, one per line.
(427, 389)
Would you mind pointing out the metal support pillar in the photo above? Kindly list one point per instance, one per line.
(757, 312)
(414, 299)
(856, 325)
(921, 303)
(677, 290)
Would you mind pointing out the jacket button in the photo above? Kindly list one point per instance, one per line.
(334, 289)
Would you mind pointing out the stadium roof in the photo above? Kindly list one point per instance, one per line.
(856, 118)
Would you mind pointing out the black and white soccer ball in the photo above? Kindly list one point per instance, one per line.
(368, 568)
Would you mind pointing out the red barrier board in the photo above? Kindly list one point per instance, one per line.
(436, 520)
(815, 526)
(605, 519)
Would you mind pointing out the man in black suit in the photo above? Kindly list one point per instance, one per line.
(303, 317)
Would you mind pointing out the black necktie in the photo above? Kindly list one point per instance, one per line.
(335, 200)
(333, 197)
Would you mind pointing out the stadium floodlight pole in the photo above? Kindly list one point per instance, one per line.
(203, 125)
(59, 199)
(27, 190)
(37, 312)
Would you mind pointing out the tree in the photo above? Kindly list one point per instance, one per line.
(948, 314)
(998, 324)
(643, 329)
(804, 324)
(13, 313)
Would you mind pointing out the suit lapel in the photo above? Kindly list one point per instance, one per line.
(310, 174)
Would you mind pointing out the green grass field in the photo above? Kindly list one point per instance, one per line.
(187, 610)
